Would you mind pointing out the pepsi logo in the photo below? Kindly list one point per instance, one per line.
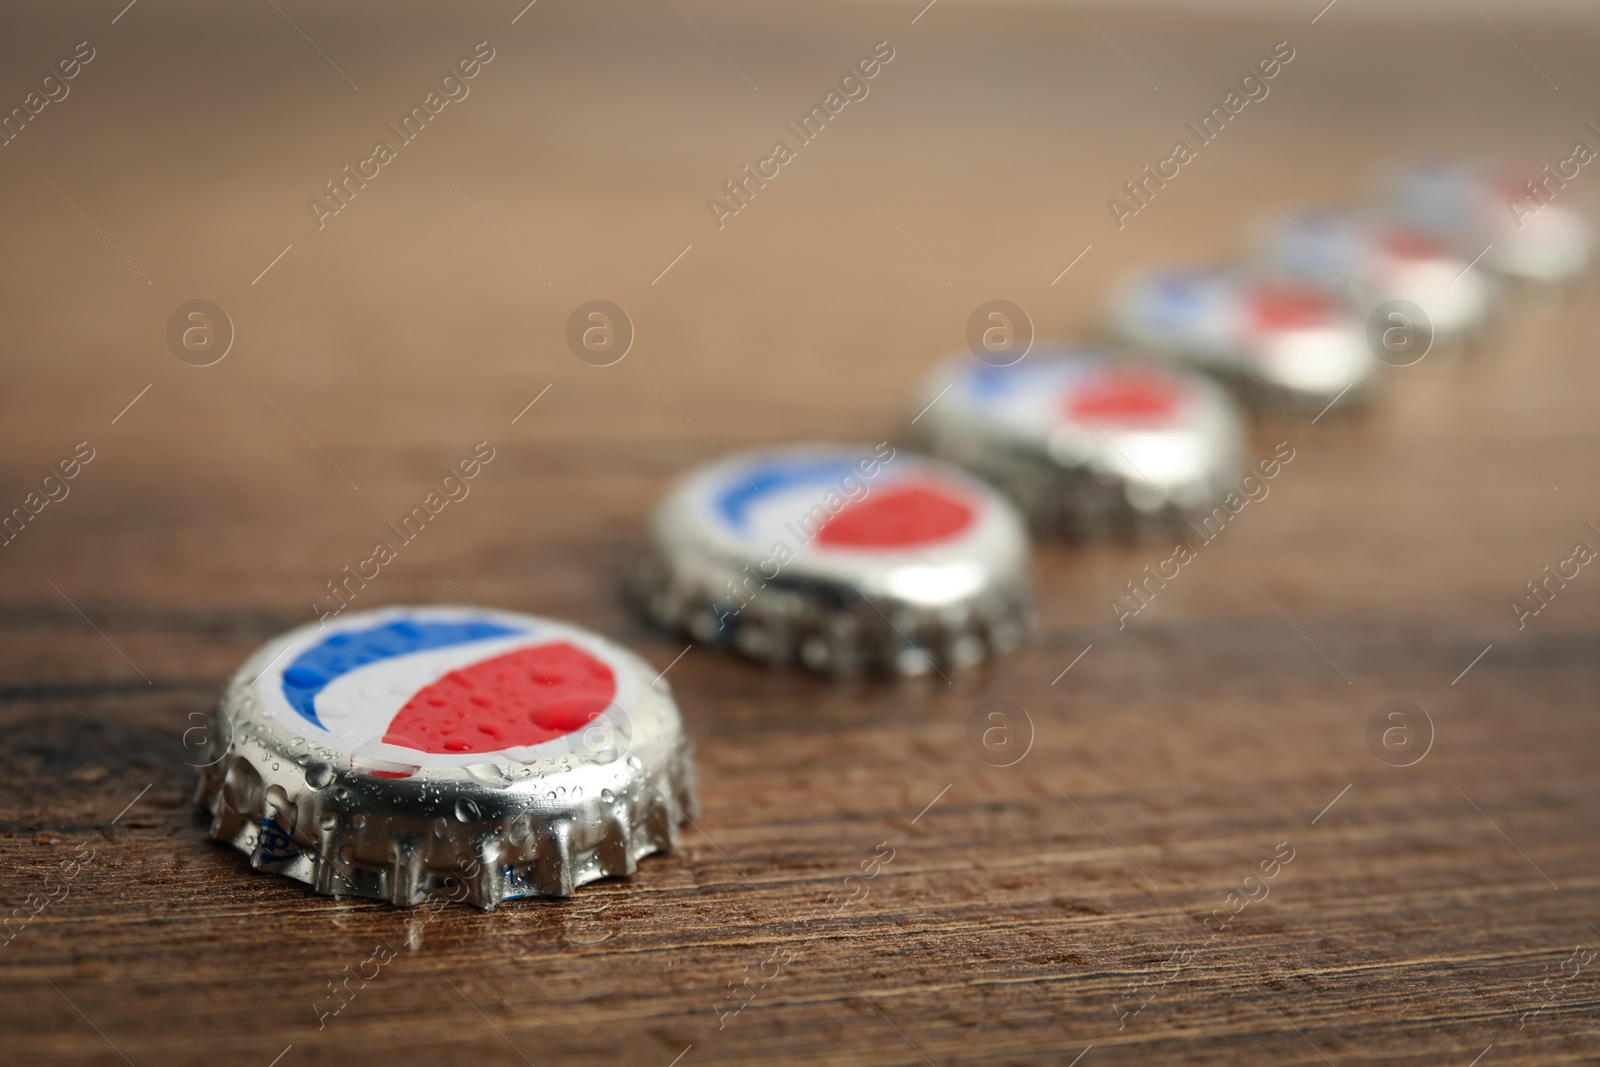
(1077, 395)
(825, 522)
(438, 688)
(832, 504)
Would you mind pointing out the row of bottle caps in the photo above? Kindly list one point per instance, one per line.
(847, 560)
(422, 755)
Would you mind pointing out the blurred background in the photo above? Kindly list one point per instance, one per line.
(372, 348)
(427, 314)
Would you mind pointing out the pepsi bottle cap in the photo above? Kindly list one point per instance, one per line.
(1277, 342)
(434, 754)
(1371, 262)
(1522, 227)
(1088, 444)
(1414, 265)
(847, 560)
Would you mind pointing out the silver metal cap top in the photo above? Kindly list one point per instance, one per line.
(432, 754)
(848, 559)
(1082, 439)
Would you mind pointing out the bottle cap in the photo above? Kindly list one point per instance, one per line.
(1518, 223)
(1278, 342)
(441, 753)
(848, 560)
(1086, 443)
(1371, 262)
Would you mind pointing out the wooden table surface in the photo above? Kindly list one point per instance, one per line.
(1429, 914)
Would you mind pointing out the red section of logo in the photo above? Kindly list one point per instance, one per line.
(1510, 188)
(1281, 308)
(524, 697)
(1413, 244)
(1125, 396)
(898, 518)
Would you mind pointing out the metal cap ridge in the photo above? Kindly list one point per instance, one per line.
(1087, 444)
(443, 753)
(844, 560)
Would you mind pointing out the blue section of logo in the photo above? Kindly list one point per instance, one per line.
(1177, 299)
(1032, 374)
(339, 654)
(763, 481)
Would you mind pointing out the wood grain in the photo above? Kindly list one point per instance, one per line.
(1427, 911)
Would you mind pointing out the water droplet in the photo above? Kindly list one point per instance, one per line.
(467, 810)
(358, 820)
(633, 761)
(328, 822)
(488, 774)
(318, 775)
(607, 795)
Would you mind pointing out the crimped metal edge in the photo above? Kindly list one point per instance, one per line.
(479, 835)
(1076, 502)
(830, 628)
